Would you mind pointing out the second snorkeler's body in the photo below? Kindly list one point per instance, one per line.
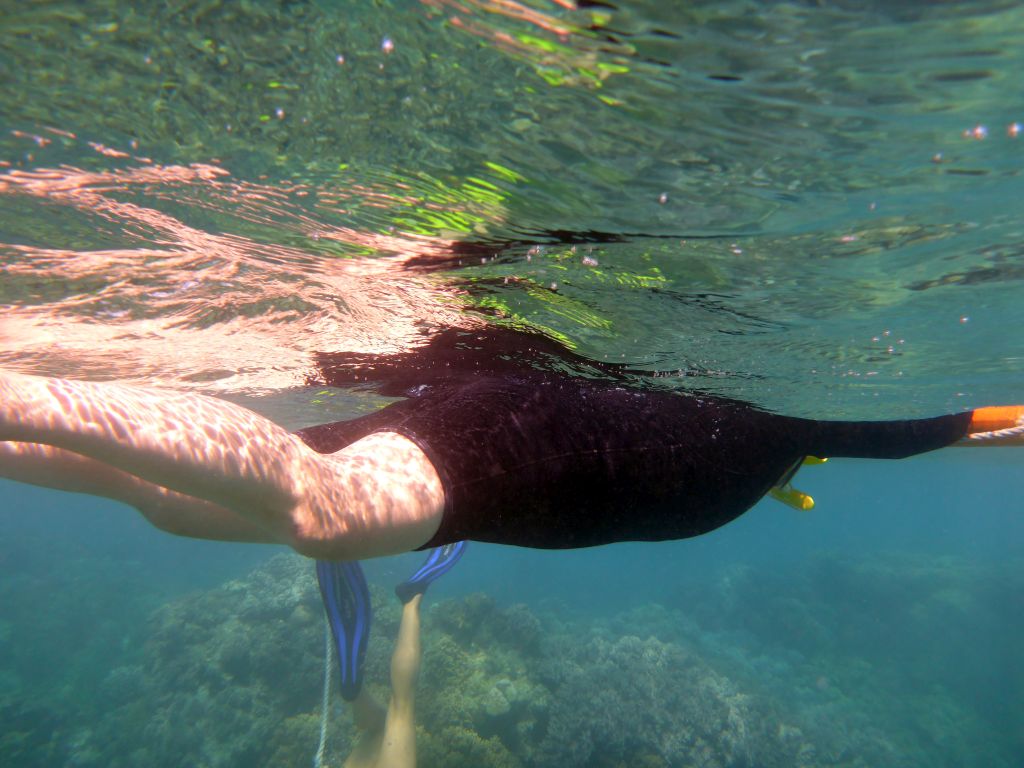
(539, 459)
(530, 458)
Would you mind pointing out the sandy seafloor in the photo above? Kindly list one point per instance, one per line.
(880, 629)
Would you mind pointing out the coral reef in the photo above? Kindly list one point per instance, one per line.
(910, 654)
(789, 669)
(232, 678)
(635, 701)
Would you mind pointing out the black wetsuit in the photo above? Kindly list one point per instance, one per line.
(544, 459)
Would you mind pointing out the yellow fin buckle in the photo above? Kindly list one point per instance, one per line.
(791, 497)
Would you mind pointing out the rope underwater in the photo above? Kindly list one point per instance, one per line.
(325, 704)
(995, 425)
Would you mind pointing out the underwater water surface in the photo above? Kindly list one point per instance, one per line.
(813, 207)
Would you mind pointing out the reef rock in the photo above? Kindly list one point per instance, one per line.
(645, 702)
(232, 677)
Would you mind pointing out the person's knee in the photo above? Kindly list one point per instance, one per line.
(310, 545)
(164, 519)
(314, 539)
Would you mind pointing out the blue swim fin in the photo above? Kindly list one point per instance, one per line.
(347, 602)
(438, 563)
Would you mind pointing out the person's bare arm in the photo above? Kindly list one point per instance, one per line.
(380, 495)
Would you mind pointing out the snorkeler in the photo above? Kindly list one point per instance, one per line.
(389, 737)
(487, 446)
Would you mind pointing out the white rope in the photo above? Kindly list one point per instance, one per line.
(998, 434)
(325, 705)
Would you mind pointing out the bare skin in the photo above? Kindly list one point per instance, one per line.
(172, 512)
(389, 739)
(201, 467)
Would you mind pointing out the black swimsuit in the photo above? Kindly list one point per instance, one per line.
(544, 459)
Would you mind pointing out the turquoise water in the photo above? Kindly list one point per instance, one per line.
(811, 207)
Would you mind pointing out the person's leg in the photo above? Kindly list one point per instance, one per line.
(369, 718)
(398, 745)
(176, 513)
(367, 712)
(391, 742)
(439, 562)
(380, 495)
